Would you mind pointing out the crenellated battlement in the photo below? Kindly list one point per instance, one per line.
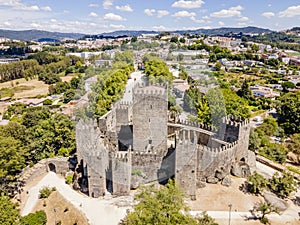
(123, 105)
(227, 147)
(155, 90)
(235, 120)
(198, 125)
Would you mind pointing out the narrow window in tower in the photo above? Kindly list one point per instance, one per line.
(149, 120)
(150, 106)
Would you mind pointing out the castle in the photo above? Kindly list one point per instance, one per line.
(135, 144)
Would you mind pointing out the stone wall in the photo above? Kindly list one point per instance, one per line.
(60, 165)
(121, 173)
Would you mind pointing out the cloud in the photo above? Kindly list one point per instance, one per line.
(162, 13)
(188, 4)
(6, 23)
(93, 5)
(180, 14)
(112, 16)
(159, 28)
(149, 12)
(19, 5)
(227, 13)
(46, 8)
(268, 14)
(124, 8)
(243, 19)
(291, 11)
(117, 26)
(107, 3)
(157, 13)
(93, 14)
(221, 23)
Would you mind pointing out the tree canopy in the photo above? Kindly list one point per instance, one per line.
(163, 206)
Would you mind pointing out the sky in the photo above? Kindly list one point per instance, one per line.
(98, 16)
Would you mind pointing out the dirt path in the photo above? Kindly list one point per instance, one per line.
(98, 211)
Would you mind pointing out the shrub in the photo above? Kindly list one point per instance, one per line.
(37, 218)
(69, 179)
(46, 192)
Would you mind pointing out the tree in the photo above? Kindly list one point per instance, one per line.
(257, 183)
(288, 85)
(162, 206)
(245, 92)
(283, 185)
(37, 218)
(9, 213)
(288, 111)
(265, 208)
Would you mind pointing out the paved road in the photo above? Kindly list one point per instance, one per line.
(136, 77)
(98, 211)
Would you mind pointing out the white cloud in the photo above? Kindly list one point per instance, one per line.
(53, 20)
(46, 8)
(93, 14)
(112, 16)
(162, 13)
(66, 11)
(149, 12)
(124, 8)
(35, 25)
(19, 5)
(157, 13)
(184, 14)
(107, 3)
(93, 5)
(291, 11)
(117, 26)
(159, 28)
(188, 4)
(6, 23)
(221, 23)
(205, 17)
(268, 14)
(243, 19)
(197, 21)
(227, 13)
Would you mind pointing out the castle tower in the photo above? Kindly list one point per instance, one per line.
(186, 161)
(150, 113)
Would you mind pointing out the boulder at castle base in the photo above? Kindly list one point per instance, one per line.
(226, 181)
(212, 180)
(240, 169)
(281, 204)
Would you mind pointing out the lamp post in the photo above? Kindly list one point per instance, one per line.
(230, 205)
(54, 216)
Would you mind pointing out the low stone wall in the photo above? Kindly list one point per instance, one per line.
(60, 165)
(275, 165)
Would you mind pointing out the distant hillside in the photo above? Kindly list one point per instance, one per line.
(30, 35)
(129, 33)
(215, 31)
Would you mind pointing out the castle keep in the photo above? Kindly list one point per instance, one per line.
(134, 144)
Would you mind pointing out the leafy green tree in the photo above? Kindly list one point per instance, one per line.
(265, 208)
(288, 111)
(274, 151)
(162, 206)
(9, 213)
(257, 183)
(245, 91)
(254, 140)
(37, 218)
(283, 185)
(288, 85)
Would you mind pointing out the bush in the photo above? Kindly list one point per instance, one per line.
(37, 218)
(46, 192)
(69, 179)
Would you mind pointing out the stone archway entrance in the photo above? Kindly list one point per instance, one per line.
(52, 167)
